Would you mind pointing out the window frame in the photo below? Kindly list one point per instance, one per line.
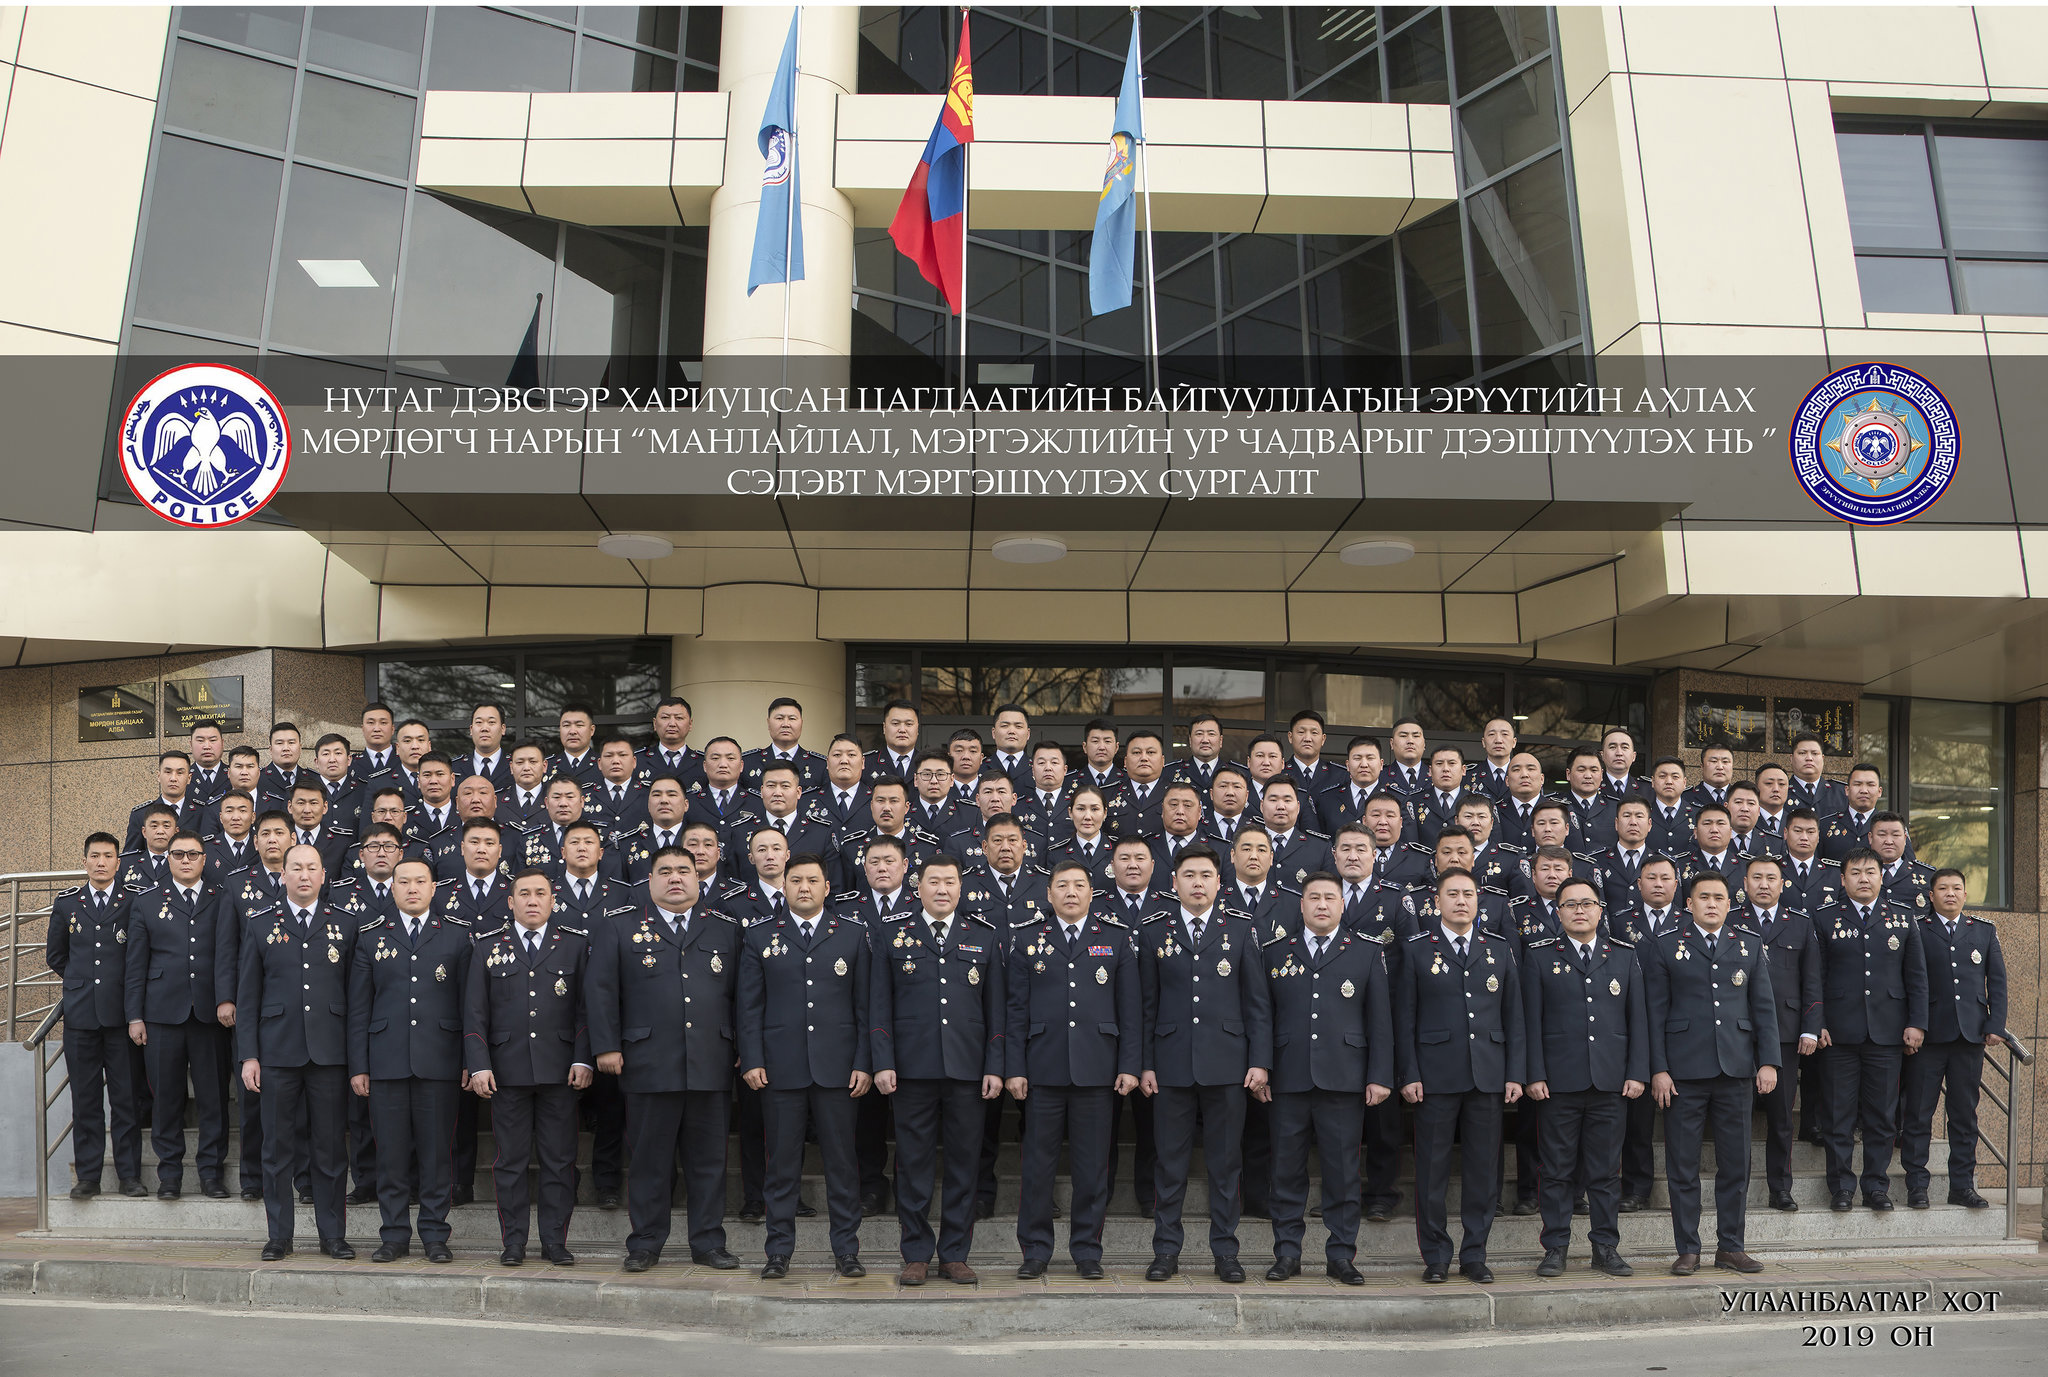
(522, 725)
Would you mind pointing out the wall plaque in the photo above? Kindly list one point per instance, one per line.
(117, 712)
(1733, 720)
(188, 702)
(1834, 722)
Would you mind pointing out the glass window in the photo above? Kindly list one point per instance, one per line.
(1524, 272)
(1229, 692)
(1328, 36)
(974, 690)
(1995, 192)
(622, 682)
(1251, 55)
(355, 126)
(229, 96)
(338, 264)
(701, 35)
(206, 256)
(1515, 120)
(1956, 762)
(1891, 191)
(1491, 39)
(1433, 269)
(1904, 284)
(1352, 308)
(1874, 742)
(375, 41)
(1576, 710)
(2004, 287)
(877, 681)
(1415, 64)
(483, 50)
(447, 690)
(266, 29)
(653, 26)
(608, 67)
(472, 276)
(1351, 700)
(609, 306)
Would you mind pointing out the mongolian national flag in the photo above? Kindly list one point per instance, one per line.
(932, 220)
(1113, 254)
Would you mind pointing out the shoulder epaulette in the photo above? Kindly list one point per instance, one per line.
(1588, 857)
(439, 884)
(896, 918)
(452, 918)
(1617, 942)
(497, 931)
(1543, 942)
(851, 896)
(1492, 889)
(1744, 927)
(1512, 848)
(1027, 923)
(977, 918)
(764, 918)
(1825, 860)
(615, 912)
(146, 889)
(1275, 941)
(1420, 849)
(374, 922)
(1112, 922)
(1151, 918)
(921, 835)
(850, 918)
(1419, 936)
(580, 932)
(1311, 832)
(67, 893)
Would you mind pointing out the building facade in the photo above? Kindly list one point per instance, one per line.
(1389, 197)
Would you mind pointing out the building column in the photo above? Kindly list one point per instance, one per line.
(820, 306)
(760, 643)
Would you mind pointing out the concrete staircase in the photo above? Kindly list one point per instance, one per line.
(1814, 1231)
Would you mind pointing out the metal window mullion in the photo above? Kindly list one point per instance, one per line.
(1955, 272)
(284, 186)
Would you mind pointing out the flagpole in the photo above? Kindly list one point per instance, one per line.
(966, 164)
(795, 190)
(1145, 176)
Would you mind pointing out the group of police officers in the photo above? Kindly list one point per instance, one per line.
(849, 948)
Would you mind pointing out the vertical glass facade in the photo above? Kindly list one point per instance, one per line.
(620, 682)
(1490, 286)
(281, 218)
(1957, 800)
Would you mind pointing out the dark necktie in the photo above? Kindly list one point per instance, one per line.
(776, 906)
(1251, 898)
(1862, 914)
(1763, 925)
(1316, 947)
(1460, 945)
(808, 929)
(1133, 902)
(532, 945)
(382, 893)
(1353, 895)
(582, 892)
(724, 796)
(939, 933)
(1073, 941)
(1713, 944)
(845, 804)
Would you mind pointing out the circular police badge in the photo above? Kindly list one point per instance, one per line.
(1874, 444)
(205, 445)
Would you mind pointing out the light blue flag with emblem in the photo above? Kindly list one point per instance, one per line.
(779, 233)
(1113, 256)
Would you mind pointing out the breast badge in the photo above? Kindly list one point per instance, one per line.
(974, 975)
(1223, 968)
(1614, 987)
(1976, 957)
(441, 974)
(1492, 983)
(839, 966)
(1102, 975)
(1892, 942)
(647, 960)
(717, 963)
(334, 955)
(1347, 989)
(561, 986)
(1738, 978)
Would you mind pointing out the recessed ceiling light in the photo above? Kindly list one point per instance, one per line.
(1029, 550)
(1377, 552)
(636, 545)
(337, 272)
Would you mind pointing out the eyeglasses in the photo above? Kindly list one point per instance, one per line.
(380, 846)
(1579, 905)
(188, 854)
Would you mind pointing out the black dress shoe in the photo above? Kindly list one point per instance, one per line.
(638, 1262)
(984, 1209)
(1842, 1204)
(1031, 1268)
(213, 1190)
(1552, 1264)
(1968, 1198)
(338, 1249)
(775, 1269)
(1523, 1207)
(870, 1206)
(256, 1194)
(1782, 1200)
(1229, 1269)
(1344, 1272)
(1164, 1265)
(363, 1195)
(1580, 1207)
(171, 1192)
(804, 1211)
(1379, 1214)
(1476, 1272)
(464, 1195)
(1610, 1261)
(135, 1188)
(274, 1251)
(1261, 1210)
(1434, 1275)
(607, 1200)
(558, 1255)
(412, 1198)
(1879, 1201)
(85, 1190)
(439, 1252)
(849, 1267)
(714, 1257)
(1283, 1268)
(305, 1197)
(1147, 1210)
(752, 1214)
(388, 1252)
(1090, 1270)
(1917, 1200)
(1631, 1204)
(513, 1256)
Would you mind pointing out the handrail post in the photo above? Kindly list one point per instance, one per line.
(43, 1135)
(13, 949)
(2012, 1143)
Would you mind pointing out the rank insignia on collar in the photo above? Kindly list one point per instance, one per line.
(1738, 977)
(1102, 975)
(1492, 983)
(441, 973)
(1347, 989)
(561, 986)
(839, 966)
(717, 963)
(1614, 987)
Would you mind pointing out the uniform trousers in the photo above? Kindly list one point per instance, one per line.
(1863, 1088)
(534, 1122)
(1144, 1146)
(174, 1052)
(1638, 1147)
(604, 1112)
(785, 1114)
(1580, 1141)
(871, 1129)
(1720, 1105)
(413, 1116)
(1781, 1118)
(1333, 1121)
(1082, 1117)
(665, 1126)
(1383, 1138)
(363, 1162)
(102, 1093)
(305, 1115)
(1958, 1068)
(930, 1115)
(1528, 1147)
(1255, 1159)
(753, 1136)
(1176, 1111)
(1474, 1117)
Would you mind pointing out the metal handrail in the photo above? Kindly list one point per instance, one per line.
(13, 946)
(2017, 1055)
(39, 1043)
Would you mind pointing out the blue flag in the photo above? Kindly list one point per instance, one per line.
(779, 233)
(1113, 256)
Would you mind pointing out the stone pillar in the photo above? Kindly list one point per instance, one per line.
(760, 643)
(820, 306)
